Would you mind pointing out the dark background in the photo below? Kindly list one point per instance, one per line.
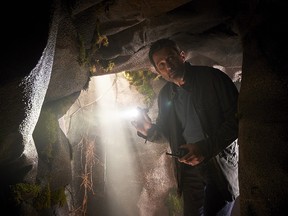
(25, 27)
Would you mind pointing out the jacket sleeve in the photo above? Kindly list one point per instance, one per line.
(154, 135)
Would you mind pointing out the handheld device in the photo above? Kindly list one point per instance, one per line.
(178, 154)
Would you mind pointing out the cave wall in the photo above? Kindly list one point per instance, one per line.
(263, 111)
(240, 37)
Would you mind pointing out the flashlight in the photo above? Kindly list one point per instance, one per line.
(144, 110)
(133, 112)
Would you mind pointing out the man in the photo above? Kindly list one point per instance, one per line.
(196, 114)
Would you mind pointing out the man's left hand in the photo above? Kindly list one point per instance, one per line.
(194, 155)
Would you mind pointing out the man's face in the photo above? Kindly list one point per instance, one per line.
(170, 64)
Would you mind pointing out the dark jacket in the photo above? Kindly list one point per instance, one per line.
(215, 99)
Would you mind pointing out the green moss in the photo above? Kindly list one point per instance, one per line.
(174, 203)
(89, 57)
(24, 191)
(39, 197)
(48, 198)
(142, 81)
(43, 200)
(107, 66)
(58, 197)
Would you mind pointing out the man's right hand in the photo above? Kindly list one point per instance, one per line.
(143, 122)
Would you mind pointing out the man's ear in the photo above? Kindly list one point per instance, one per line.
(154, 70)
(183, 55)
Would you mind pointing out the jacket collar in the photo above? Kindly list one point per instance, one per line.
(188, 76)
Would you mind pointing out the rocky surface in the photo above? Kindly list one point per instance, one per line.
(54, 49)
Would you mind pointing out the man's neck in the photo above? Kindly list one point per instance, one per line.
(181, 80)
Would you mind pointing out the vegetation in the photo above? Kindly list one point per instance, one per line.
(174, 203)
(88, 57)
(39, 197)
(89, 159)
(142, 81)
(22, 191)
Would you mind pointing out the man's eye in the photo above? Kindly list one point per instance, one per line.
(161, 66)
(171, 58)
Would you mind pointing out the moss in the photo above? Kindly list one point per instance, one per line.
(142, 81)
(107, 66)
(48, 198)
(89, 58)
(174, 203)
(44, 198)
(58, 197)
(101, 40)
(147, 90)
(24, 191)
(39, 197)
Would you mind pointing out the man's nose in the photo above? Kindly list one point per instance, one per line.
(168, 65)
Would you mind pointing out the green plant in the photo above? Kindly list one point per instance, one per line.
(43, 200)
(39, 197)
(24, 191)
(88, 57)
(142, 81)
(58, 197)
(174, 203)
